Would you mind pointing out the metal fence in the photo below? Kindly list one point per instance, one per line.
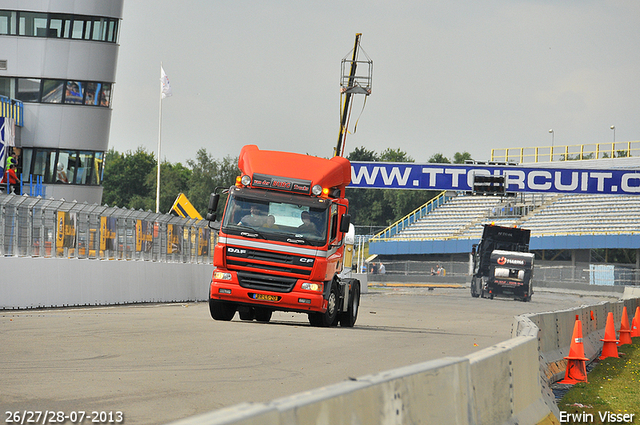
(39, 227)
(584, 273)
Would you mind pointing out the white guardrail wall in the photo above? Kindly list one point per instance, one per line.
(508, 383)
(29, 282)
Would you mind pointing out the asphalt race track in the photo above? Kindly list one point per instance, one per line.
(162, 362)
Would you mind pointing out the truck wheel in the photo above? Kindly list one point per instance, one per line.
(263, 314)
(474, 289)
(315, 319)
(246, 313)
(330, 317)
(348, 318)
(221, 310)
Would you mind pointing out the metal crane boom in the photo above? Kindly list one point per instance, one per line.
(347, 99)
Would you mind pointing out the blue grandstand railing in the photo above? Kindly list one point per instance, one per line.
(11, 108)
(411, 218)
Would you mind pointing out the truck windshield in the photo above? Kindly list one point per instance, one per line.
(275, 220)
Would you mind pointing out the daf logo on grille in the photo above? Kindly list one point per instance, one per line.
(236, 250)
(306, 260)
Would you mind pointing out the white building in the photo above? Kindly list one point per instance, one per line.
(59, 58)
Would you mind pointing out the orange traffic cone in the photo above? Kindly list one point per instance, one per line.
(635, 324)
(609, 348)
(576, 366)
(625, 332)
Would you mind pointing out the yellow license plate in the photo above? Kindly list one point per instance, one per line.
(265, 297)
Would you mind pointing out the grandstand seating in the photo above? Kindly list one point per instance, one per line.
(587, 214)
(463, 216)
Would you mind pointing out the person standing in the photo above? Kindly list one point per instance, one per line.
(14, 181)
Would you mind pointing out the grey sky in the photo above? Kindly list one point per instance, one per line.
(448, 76)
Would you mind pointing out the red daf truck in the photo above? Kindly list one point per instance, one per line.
(281, 240)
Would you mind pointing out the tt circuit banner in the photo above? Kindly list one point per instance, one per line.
(380, 175)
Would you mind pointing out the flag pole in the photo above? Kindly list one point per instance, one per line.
(159, 139)
(165, 90)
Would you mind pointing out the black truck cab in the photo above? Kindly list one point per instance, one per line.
(502, 264)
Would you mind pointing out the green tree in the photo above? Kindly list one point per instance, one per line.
(362, 154)
(460, 158)
(174, 179)
(208, 173)
(125, 178)
(391, 155)
(438, 158)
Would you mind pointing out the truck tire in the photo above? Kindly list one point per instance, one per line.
(263, 314)
(246, 313)
(348, 318)
(474, 288)
(315, 319)
(221, 310)
(329, 317)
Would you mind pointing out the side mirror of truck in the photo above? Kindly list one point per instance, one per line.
(344, 223)
(213, 206)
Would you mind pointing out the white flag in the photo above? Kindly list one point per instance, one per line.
(165, 87)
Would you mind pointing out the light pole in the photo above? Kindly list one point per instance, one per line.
(613, 127)
(552, 137)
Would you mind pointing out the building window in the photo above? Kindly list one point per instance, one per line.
(28, 90)
(105, 95)
(8, 87)
(111, 34)
(96, 172)
(56, 25)
(8, 22)
(72, 92)
(32, 24)
(93, 94)
(52, 91)
(85, 167)
(62, 166)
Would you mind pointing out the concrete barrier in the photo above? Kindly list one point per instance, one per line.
(555, 333)
(59, 282)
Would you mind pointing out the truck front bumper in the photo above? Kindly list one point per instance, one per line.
(296, 300)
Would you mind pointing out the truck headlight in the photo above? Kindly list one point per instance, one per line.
(308, 286)
(245, 180)
(316, 190)
(221, 276)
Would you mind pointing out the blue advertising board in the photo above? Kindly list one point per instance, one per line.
(380, 175)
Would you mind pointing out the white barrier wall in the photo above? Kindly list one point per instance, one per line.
(27, 282)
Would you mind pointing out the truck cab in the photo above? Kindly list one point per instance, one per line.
(281, 240)
(502, 264)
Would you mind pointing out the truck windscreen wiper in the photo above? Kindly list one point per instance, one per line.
(246, 231)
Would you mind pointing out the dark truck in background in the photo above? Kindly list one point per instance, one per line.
(502, 264)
